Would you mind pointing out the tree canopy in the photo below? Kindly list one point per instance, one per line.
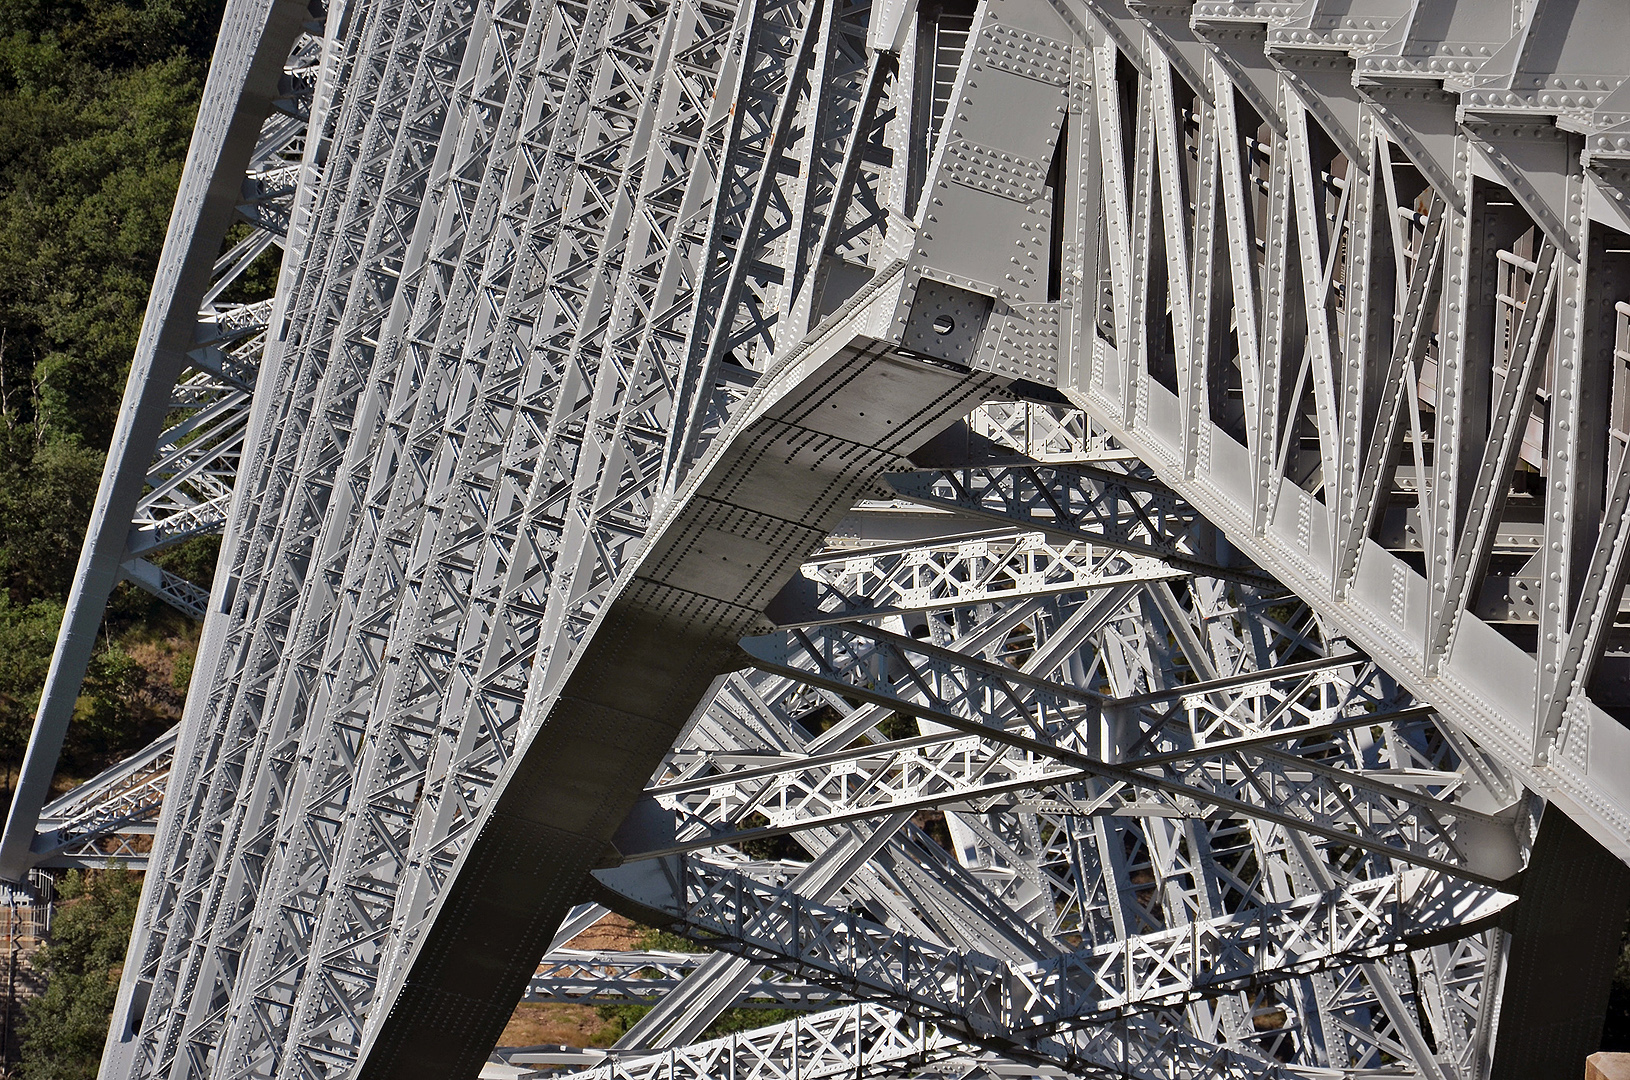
(65, 1027)
(97, 99)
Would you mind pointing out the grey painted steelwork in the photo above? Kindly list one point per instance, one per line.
(1008, 1005)
(859, 1040)
(1122, 500)
(574, 975)
(1266, 472)
(100, 820)
(996, 842)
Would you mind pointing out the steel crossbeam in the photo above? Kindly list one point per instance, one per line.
(863, 1040)
(1242, 772)
(172, 375)
(1165, 465)
(867, 1039)
(956, 572)
(983, 776)
(1128, 512)
(1033, 431)
(576, 975)
(1007, 1004)
(937, 769)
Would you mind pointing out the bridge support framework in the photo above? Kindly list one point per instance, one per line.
(1111, 510)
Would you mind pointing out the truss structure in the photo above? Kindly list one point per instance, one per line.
(1047, 536)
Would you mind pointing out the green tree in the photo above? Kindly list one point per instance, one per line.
(28, 633)
(97, 99)
(65, 1027)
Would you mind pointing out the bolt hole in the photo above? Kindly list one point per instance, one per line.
(944, 324)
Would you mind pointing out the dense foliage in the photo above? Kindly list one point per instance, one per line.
(97, 99)
(66, 1026)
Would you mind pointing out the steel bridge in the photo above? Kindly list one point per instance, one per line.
(1048, 536)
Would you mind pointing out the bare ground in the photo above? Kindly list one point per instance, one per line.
(547, 1023)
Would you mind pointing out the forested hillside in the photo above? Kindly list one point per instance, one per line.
(96, 108)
